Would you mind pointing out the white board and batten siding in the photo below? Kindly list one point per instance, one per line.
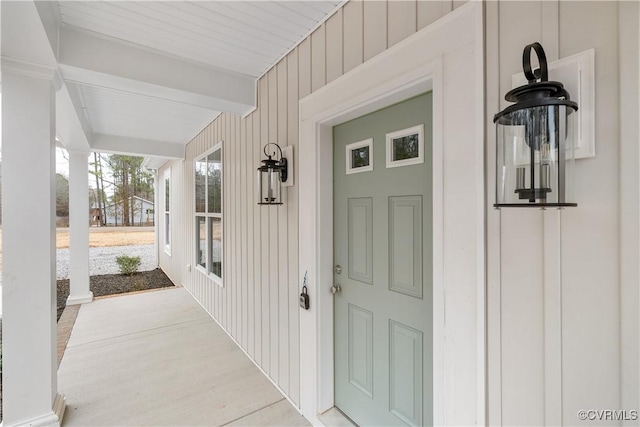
(258, 304)
(559, 336)
(554, 333)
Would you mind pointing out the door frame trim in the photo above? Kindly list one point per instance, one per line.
(448, 58)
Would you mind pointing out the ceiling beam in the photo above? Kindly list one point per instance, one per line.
(26, 46)
(89, 59)
(69, 128)
(136, 147)
(154, 162)
(24, 39)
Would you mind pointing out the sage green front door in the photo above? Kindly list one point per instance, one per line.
(383, 257)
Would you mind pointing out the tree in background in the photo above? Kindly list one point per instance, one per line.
(129, 179)
(99, 197)
(124, 176)
(62, 196)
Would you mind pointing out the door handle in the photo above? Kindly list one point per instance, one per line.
(335, 289)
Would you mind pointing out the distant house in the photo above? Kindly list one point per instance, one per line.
(95, 216)
(142, 212)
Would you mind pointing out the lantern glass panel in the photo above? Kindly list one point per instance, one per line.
(535, 153)
(270, 191)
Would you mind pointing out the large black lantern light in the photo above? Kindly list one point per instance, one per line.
(270, 175)
(535, 148)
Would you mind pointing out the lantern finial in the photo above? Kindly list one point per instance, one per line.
(541, 73)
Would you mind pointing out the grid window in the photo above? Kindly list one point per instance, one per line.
(167, 211)
(208, 213)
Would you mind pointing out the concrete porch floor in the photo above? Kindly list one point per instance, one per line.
(158, 359)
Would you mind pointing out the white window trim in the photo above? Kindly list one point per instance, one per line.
(419, 129)
(167, 231)
(354, 146)
(211, 276)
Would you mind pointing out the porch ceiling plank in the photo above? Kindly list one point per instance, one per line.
(132, 25)
(245, 37)
(249, 14)
(135, 146)
(217, 28)
(89, 59)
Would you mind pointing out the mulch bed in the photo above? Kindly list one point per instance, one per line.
(109, 284)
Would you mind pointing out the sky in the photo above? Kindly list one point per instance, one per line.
(62, 162)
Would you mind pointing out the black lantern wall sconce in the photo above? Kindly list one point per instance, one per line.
(270, 176)
(535, 141)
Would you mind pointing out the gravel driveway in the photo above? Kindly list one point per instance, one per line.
(103, 260)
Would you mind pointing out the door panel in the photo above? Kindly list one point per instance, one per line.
(405, 373)
(383, 242)
(361, 349)
(361, 239)
(405, 245)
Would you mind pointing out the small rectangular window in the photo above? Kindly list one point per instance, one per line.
(405, 147)
(359, 156)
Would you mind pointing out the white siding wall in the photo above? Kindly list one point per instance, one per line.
(546, 359)
(258, 305)
(554, 276)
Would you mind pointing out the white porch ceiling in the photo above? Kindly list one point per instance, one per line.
(242, 36)
(120, 113)
(162, 70)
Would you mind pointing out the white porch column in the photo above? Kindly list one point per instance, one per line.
(79, 228)
(29, 256)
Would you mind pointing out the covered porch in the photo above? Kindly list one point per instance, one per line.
(534, 312)
(115, 78)
(126, 364)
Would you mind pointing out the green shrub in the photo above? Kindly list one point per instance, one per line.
(128, 264)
